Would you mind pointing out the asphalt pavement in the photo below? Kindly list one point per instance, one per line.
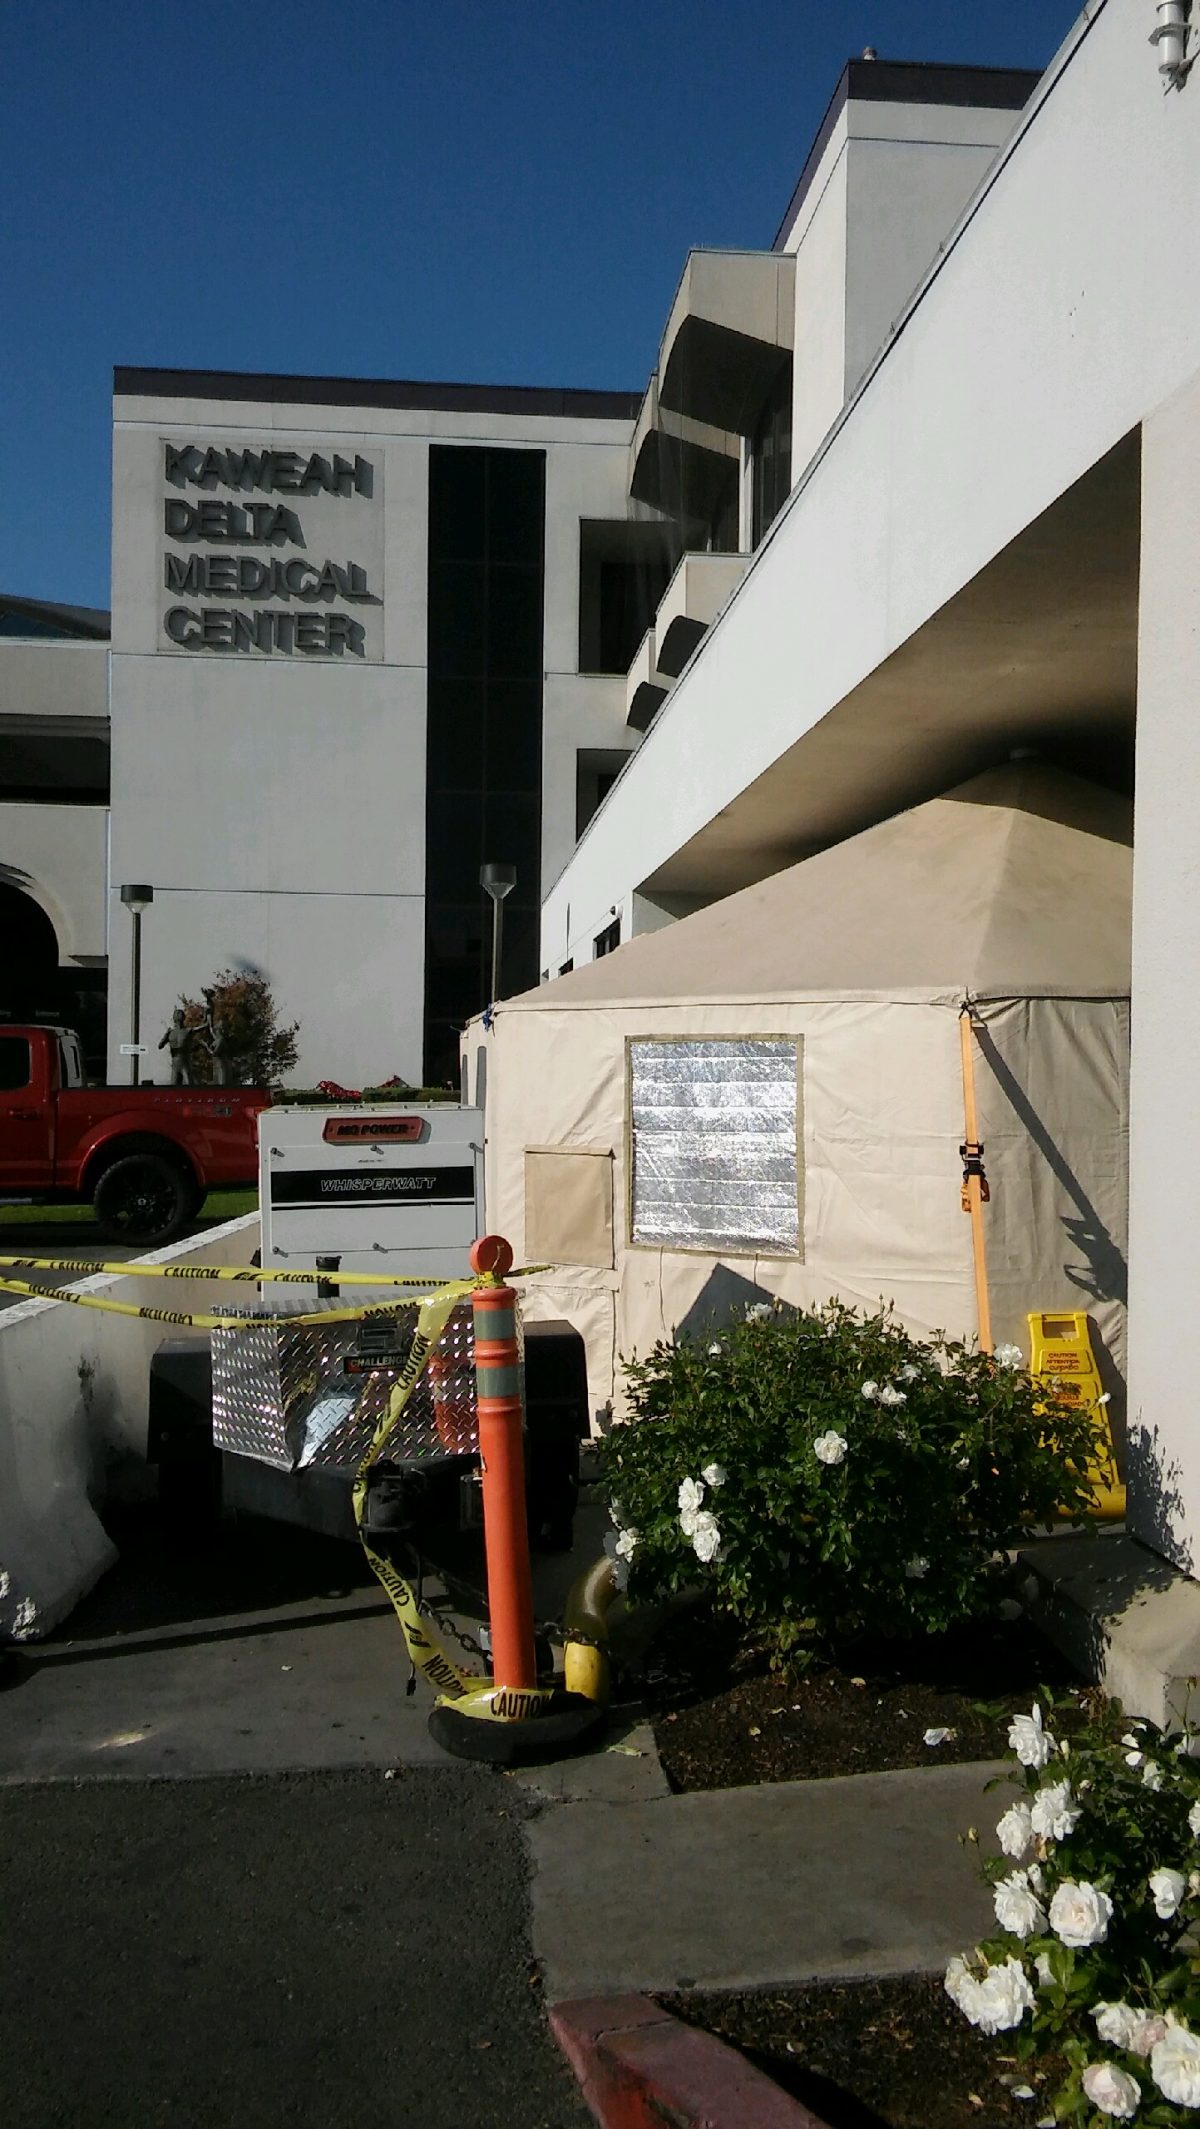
(319, 1950)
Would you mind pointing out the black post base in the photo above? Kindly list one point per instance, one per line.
(570, 1719)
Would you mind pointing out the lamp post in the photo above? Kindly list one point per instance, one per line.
(497, 881)
(136, 899)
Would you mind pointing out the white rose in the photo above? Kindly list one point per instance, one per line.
(627, 1544)
(1152, 1776)
(1044, 1970)
(1116, 2023)
(1194, 1821)
(690, 1495)
(890, 1395)
(958, 1980)
(1028, 1740)
(1055, 1813)
(1016, 1908)
(1133, 1759)
(829, 1448)
(1080, 1914)
(1149, 2032)
(1015, 1830)
(1175, 2066)
(714, 1474)
(758, 1312)
(870, 1391)
(908, 1373)
(1003, 1997)
(1008, 1356)
(1167, 1888)
(1113, 2091)
(706, 1536)
(917, 1570)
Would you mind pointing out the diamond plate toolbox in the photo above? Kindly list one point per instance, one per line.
(285, 1393)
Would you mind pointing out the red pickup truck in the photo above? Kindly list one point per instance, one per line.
(145, 1157)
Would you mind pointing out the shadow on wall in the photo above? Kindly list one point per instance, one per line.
(1154, 1483)
(724, 1294)
(1103, 1274)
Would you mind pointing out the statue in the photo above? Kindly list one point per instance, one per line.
(218, 1045)
(180, 1041)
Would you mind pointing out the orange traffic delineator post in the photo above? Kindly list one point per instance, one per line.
(501, 1421)
(514, 1717)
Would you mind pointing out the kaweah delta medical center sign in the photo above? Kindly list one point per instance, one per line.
(271, 550)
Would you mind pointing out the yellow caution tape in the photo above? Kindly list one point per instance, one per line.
(85, 1266)
(429, 1654)
(456, 1290)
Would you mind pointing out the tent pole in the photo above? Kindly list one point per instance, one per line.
(975, 1192)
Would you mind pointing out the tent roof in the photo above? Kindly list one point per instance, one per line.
(1015, 884)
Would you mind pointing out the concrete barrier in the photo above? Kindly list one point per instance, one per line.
(74, 1396)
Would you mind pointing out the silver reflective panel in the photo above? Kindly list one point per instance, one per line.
(282, 1394)
(714, 1145)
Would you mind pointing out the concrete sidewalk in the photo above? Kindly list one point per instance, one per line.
(761, 1887)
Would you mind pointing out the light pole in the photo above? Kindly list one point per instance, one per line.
(497, 880)
(136, 899)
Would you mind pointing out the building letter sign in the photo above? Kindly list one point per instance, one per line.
(269, 551)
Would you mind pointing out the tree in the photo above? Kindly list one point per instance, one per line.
(240, 1007)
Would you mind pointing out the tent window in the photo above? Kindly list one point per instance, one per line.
(715, 1130)
(569, 1205)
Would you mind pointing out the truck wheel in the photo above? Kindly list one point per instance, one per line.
(143, 1198)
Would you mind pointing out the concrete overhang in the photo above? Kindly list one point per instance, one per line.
(731, 325)
(645, 686)
(1039, 650)
(678, 465)
(693, 598)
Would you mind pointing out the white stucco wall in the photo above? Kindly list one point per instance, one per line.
(1065, 310)
(1164, 1152)
(56, 855)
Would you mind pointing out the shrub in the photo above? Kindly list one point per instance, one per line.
(242, 1005)
(1097, 1895)
(826, 1475)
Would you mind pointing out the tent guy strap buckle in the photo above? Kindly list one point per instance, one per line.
(971, 1155)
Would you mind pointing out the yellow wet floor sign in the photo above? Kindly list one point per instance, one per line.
(1060, 1350)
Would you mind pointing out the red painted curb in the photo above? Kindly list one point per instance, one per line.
(639, 2068)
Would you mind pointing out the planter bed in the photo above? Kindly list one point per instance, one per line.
(886, 2054)
(722, 1718)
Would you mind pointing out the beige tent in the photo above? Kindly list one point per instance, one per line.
(766, 1098)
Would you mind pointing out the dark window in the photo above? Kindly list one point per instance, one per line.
(608, 940)
(14, 1063)
(484, 730)
(596, 771)
(771, 456)
(624, 569)
(565, 968)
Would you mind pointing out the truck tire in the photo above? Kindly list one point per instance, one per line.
(143, 1198)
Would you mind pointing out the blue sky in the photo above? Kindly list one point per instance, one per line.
(486, 190)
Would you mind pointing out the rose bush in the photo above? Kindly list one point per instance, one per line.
(826, 1475)
(1097, 1957)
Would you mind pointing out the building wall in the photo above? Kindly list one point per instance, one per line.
(1164, 1151)
(56, 855)
(1041, 341)
(53, 679)
(887, 191)
(275, 799)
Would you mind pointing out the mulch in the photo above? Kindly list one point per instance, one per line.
(723, 1718)
(886, 2054)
